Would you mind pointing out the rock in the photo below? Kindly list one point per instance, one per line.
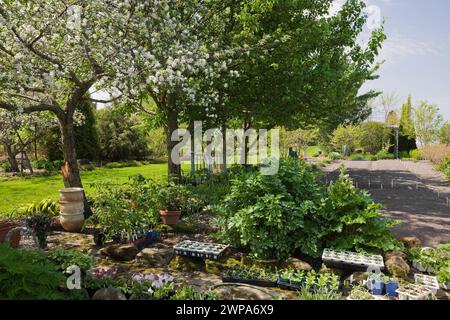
(335, 271)
(56, 224)
(411, 242)
(181, 263)
(357, 277)
(443, 295)
(388, 255)
(244, 293)
(213, 266)
(159, 256)
(298, 264)
(121, 252)
(109, 294)
(398, 267)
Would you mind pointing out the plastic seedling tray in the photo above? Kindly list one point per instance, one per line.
(286, 284)
(413, 292)
(351, 260)
(254, 282)
(200, 249)
(428, 282)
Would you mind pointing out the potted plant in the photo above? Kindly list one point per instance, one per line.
(360, 293)
(391, 286)
(99, 238)
(444, 277)
(376, 283)
(40, 223)
(5, 227)
(171, 199)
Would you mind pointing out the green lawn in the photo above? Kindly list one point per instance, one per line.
(16, 192)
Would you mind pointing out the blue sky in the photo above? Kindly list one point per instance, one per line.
(417, 51)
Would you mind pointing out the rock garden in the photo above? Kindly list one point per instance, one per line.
(239, 236)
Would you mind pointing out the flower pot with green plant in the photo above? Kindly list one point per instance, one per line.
(376, 283)
(40, 224)
(121, 212)
(444, 277)
(391, 287)
(6, 226)
(360, 293)
(171, 200)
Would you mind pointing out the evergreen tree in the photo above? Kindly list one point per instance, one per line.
(86, 135)
(407, 136)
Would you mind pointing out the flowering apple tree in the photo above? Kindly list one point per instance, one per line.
(52, 54)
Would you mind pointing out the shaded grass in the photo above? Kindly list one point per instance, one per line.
(19, 191)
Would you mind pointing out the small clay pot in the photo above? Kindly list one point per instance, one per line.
(170, 217)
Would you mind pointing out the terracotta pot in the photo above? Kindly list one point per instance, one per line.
(71, 194)
(71, 202)
(72, 222)
(170, 217)
(5, 227)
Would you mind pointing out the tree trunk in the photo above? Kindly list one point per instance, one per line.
(192, 146)
(27, 159)
(174, 170)
(70, 170)
(11, 158)
(224, 147)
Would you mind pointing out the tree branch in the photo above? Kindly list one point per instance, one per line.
(105, 101)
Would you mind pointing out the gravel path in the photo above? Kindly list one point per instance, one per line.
(414, 193)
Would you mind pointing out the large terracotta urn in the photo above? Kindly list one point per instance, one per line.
(71, 203)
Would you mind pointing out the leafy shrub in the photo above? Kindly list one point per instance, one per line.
(445, 166)
(275, 216)
(358, 157)
(123, 164)
(438, 259)
(6, 166)
(65, 258)
(355, 221)
(345, 137)
(384, 155)
(416, 154)
(46, 206)
(87, 167)
(374, 137)
(48, 165)
(335, 156)
(28, 274)
(212, 193)
(123, 210)
(404, 154)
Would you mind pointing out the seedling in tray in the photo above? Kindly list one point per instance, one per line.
(413, 292)
(250, 275)
(200, 249)
(428, 282)
(295, 280)
(351, 260)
